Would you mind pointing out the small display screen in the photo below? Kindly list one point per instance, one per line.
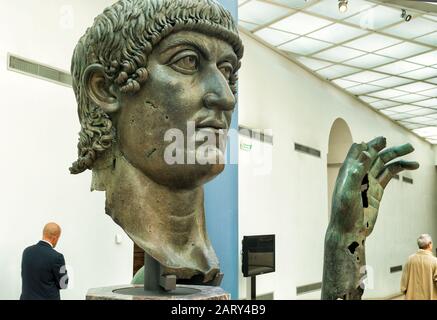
(258, 255)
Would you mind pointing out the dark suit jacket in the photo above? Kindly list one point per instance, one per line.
(43, 273)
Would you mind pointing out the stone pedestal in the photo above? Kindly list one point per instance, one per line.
(136, 292)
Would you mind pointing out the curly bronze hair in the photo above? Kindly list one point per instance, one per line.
(121, 39)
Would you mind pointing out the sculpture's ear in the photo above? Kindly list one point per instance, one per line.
(98, 88)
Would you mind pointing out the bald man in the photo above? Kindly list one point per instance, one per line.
(43, 271)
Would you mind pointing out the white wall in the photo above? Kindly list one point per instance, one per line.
(39, 136)
(291, 201)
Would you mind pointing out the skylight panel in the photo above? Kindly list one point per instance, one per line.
(337, 33)
(427, 103)
(368, 61)
(261, 12)
(376, 17)
(398, 67)
(300, 23)
(384, 104)
(372, 42)
(426, 132)
(365, 77)
(313, 64)
(247, 25)
(404, 108)
(336, 71)
(363, 89)
(415, 87)
(338, 54)
(304, 46)
(421, 74)
(415, 28)
(391, 81)
(295, 4)
(368, 99)
(387, 94)
(345, 83)
(426, 59)
(402, 50)
(430, 39)
(409, 98)
(275, 37)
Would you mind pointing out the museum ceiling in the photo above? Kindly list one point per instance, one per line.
(371, 51)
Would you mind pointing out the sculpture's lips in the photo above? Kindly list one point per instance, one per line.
(211, 125)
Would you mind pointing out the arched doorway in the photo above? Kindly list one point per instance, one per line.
(340, 140)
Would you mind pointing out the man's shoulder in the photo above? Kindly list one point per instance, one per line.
(31, 248)
(58, 254)
(412, 256)
(42, 248)
(419, 256)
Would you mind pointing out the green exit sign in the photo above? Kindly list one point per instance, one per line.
(245, 146)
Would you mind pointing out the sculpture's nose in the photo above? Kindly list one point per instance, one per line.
(218, 94)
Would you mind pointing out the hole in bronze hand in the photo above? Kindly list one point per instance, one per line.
(353, 246)
(364, 189)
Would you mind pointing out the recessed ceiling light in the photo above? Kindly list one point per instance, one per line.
(329, 9)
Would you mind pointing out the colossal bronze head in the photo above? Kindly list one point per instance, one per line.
(147, 68)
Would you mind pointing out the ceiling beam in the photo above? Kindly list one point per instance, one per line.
(423, 6)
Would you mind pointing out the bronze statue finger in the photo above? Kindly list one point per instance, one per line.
(392, 169)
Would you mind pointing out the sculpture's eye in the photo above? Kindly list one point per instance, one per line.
(227, 69)
(186, 62)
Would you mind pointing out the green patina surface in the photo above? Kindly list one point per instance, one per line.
(365, 173)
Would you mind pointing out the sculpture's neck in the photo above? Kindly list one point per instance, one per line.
(169, 224)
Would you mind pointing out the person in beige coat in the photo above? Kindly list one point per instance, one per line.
(419, 278)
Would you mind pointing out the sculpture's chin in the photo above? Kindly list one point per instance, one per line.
(194, 169)
(188, 176)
